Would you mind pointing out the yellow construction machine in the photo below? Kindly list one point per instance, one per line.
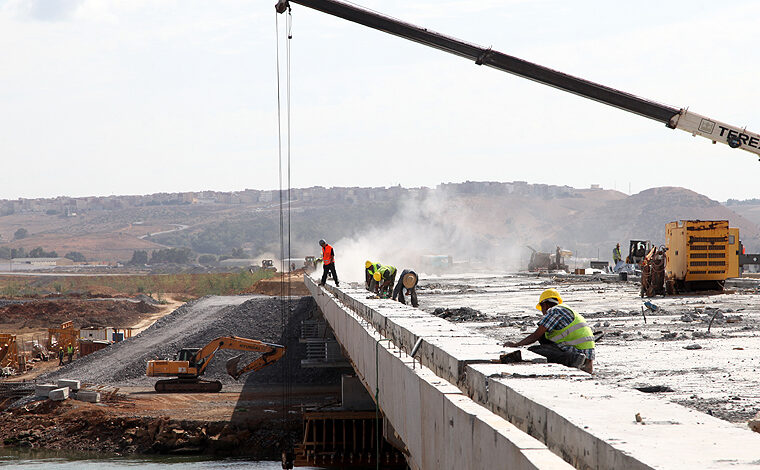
(191, 363)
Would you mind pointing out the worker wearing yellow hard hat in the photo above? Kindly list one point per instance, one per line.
(369, 271)
(564, 336)
(385, 276)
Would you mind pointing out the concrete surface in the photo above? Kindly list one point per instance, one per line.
(442, 428)
(59, 394)
(43, 390)
(587, 421)
(73, 385)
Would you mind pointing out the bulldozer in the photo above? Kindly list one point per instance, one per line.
(191, 363)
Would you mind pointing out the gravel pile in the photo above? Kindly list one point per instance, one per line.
(194, 325)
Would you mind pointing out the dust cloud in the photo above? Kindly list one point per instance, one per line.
(428, 223)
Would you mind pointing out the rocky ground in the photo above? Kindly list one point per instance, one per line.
(249, 417)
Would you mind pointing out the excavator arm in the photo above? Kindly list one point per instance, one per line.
(188, 369)
(272, 353)
(673, 118)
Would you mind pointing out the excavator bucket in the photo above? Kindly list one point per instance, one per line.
(232, 366)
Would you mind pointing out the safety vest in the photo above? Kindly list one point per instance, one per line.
(616, 254)
(327, 254)
(373, 267)
(387, 272)
(577, 333)
(70, 349)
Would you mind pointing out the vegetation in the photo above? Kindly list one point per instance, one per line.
(20, 233)
(191, 285)
(75, 256)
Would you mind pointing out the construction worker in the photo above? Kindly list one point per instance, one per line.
(564, 336)
(616, 256)
(70, 352)
(369, 271)
(60, 356)
(328, 263)
(385, 276)
(408, 281)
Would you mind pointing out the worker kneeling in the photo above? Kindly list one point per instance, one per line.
(385, 277)
(564, 336)
(408, 281)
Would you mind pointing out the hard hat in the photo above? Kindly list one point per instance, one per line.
(410, 280)
(377, 276)
(548, 294)
(322, 241)
(367, 264)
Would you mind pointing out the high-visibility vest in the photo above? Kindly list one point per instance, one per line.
(577, 333)
(373, 267)
(327, 254)
(387, 272)
(616, 254)
(71, 349)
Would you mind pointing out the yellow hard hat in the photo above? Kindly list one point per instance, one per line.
(548, 294)
(367, 264)
(377, 276)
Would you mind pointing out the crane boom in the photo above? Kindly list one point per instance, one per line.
(673, 118)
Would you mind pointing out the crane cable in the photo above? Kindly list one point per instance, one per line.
(285, 307)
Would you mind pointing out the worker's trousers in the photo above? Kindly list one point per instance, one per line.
(329, 268)
(553, 353)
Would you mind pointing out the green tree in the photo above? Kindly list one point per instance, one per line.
(139, 257)
(207, 259)
(5, 252)
(40, 253)
(75, 256)
(20, 233)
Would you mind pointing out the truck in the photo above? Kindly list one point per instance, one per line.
(700, 255)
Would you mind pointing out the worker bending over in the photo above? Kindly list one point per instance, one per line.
(408, 281)
(370, 269)
(564, 336)
(328, 263)
(385, 277)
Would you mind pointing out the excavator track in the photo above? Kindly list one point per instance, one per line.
(188, 386)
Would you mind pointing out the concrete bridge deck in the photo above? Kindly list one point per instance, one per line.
(459, 410)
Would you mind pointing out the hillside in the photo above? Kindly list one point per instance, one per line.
(486, 221)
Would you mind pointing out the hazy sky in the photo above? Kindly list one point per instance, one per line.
(103, 97)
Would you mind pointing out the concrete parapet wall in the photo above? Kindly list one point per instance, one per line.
(589, 424)
(442, 428)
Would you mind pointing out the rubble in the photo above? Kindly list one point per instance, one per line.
(461, 314)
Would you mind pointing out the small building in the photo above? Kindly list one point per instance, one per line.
(108, 334)
(43, 261)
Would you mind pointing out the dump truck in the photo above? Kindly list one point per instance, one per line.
(191, 363)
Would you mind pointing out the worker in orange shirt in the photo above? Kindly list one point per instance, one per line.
(328, 263)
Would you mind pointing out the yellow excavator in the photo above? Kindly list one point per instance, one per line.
(191, 363)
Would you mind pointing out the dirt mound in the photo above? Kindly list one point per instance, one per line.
(97, 313)
(279, 284)
(197, 323)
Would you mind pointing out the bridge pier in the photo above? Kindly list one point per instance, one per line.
(459, 410)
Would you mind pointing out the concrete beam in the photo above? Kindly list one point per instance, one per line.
(590, 424)
(441, 427)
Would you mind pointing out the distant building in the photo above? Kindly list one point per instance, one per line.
(43, 261)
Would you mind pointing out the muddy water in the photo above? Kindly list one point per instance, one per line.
(48, 460)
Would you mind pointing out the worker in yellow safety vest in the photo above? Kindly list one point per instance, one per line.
(564, 336)
(369, 272)
(616, 255)
(385, 277)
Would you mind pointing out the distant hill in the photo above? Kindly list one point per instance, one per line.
(487, 221)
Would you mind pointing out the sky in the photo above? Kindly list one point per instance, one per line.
(101, 97)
